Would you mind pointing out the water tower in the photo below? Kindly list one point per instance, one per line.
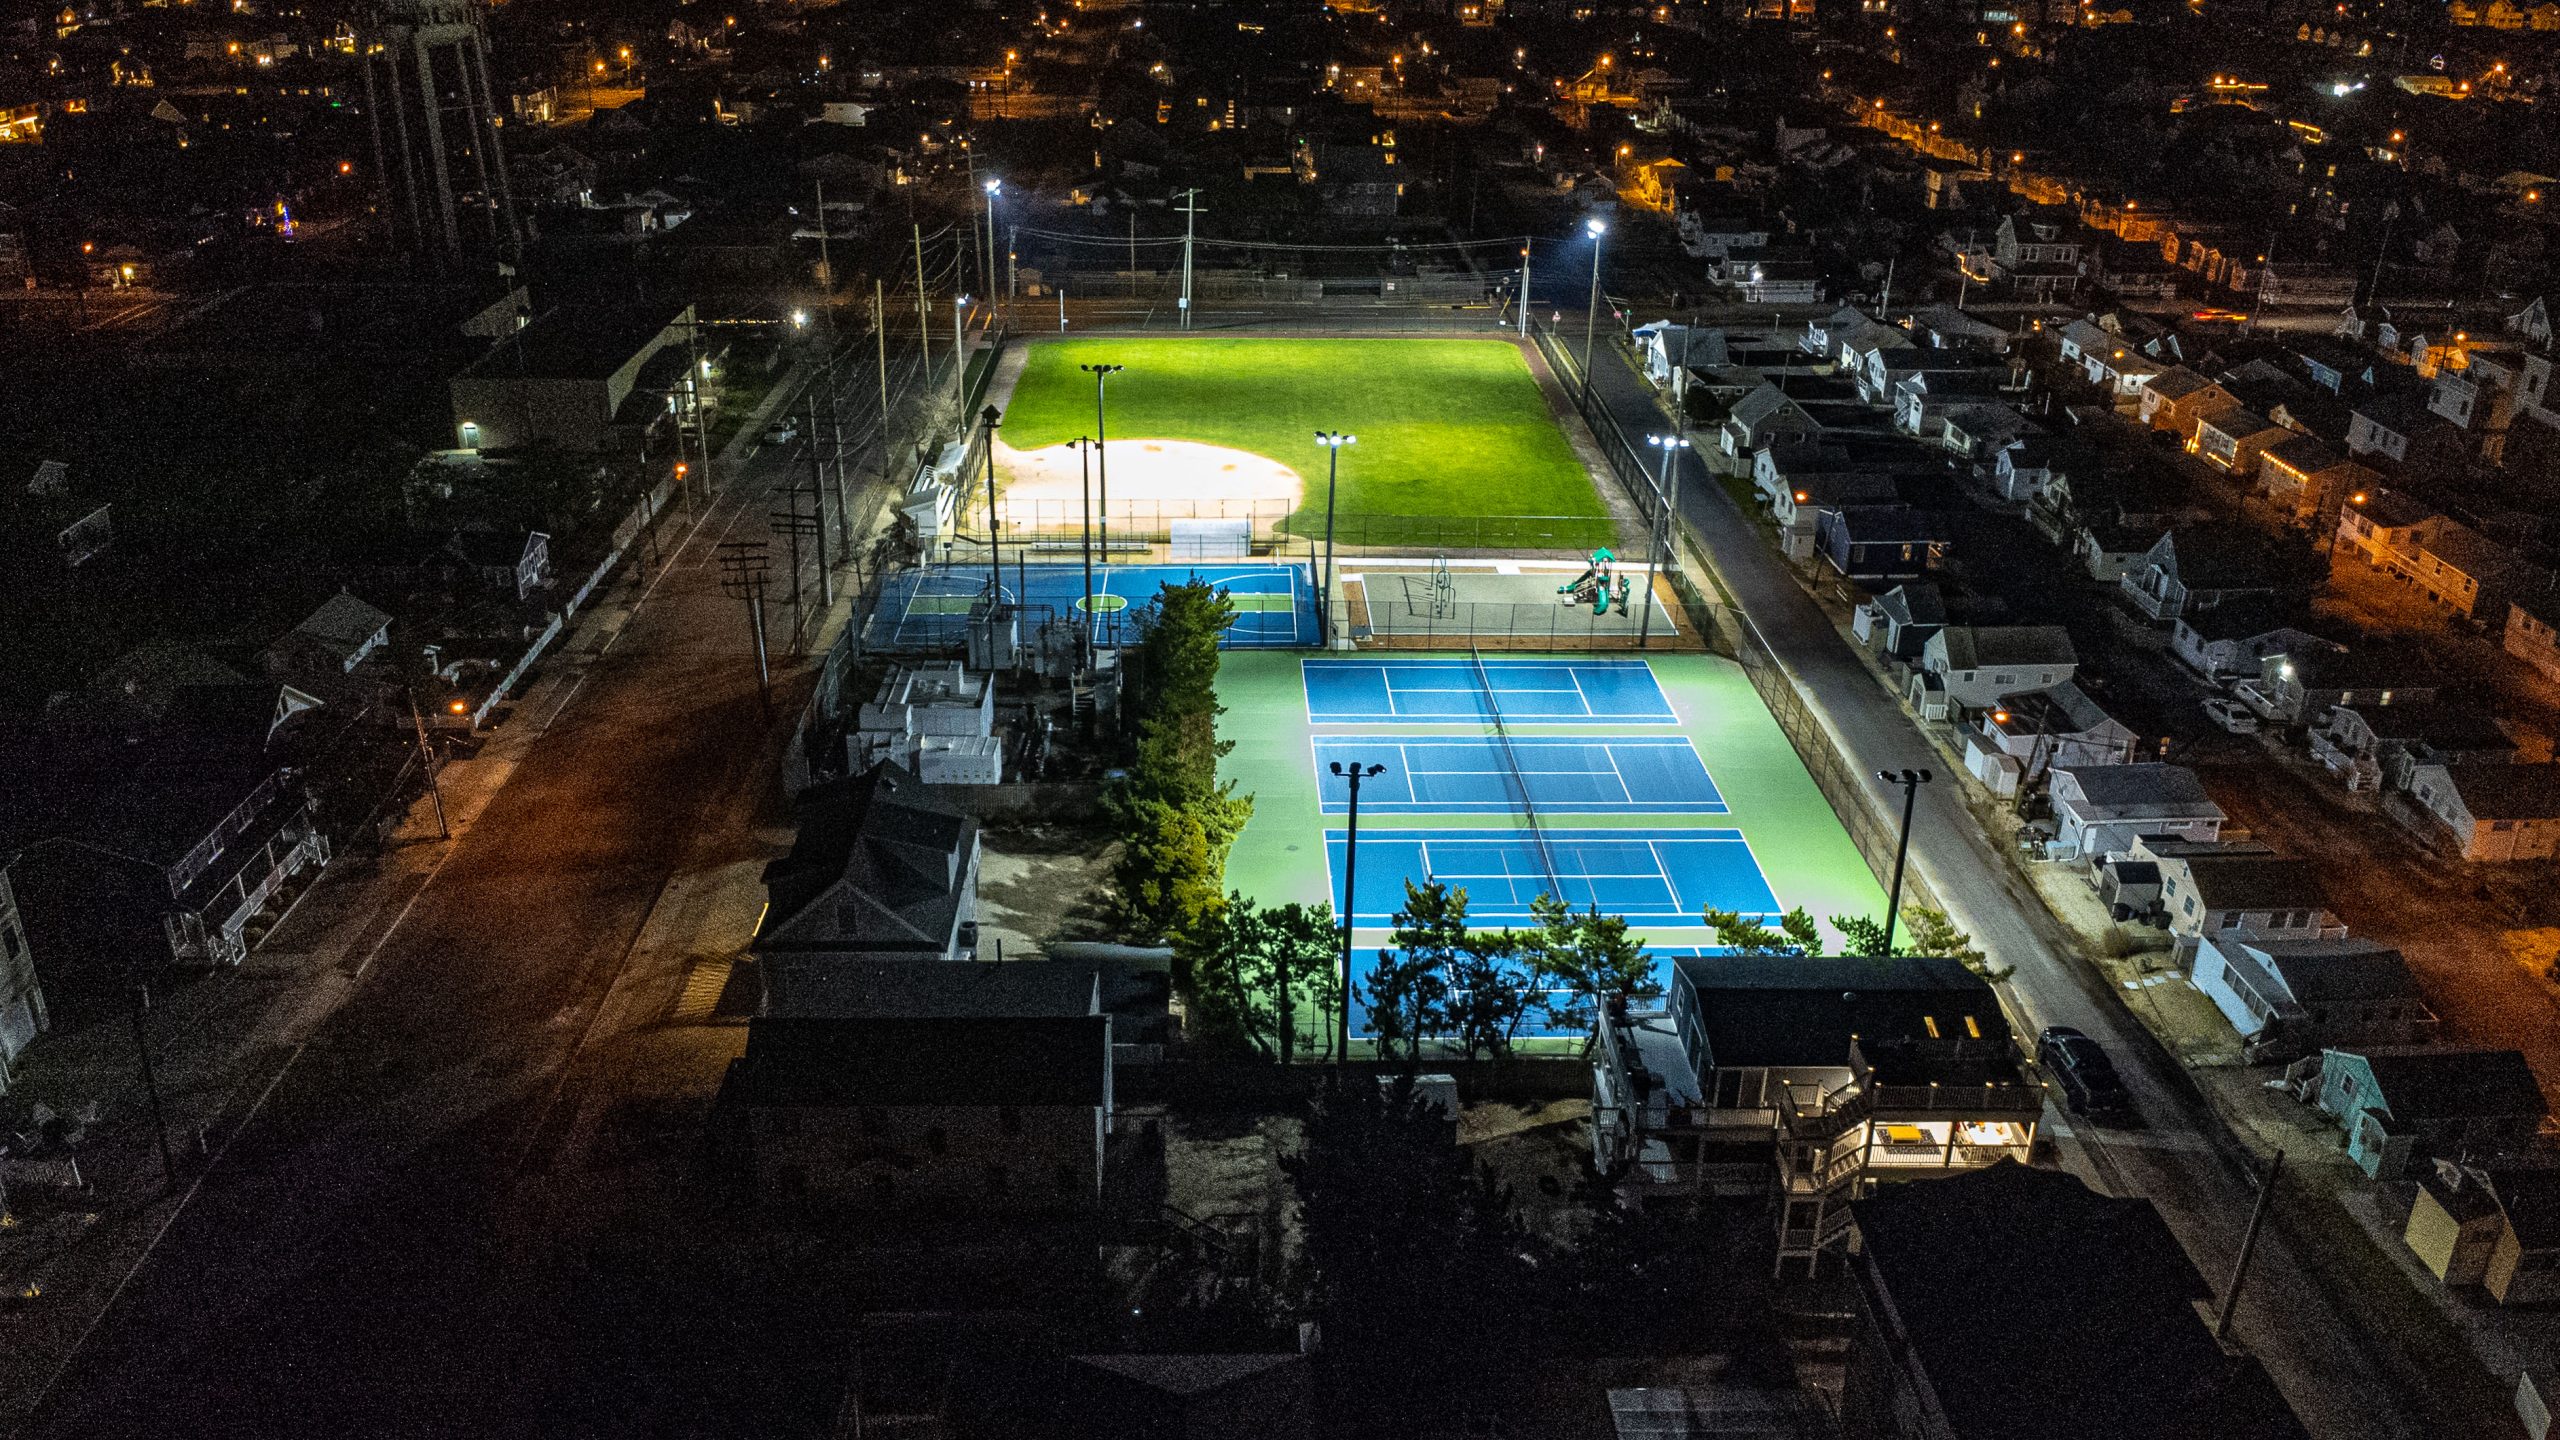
(436, 148)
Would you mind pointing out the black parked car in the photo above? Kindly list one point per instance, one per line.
(2083, 1073)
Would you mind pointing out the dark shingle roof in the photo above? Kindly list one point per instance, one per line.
(1758, 1010)
(2429, 1083)
(2037, 1307)
(978, 1060)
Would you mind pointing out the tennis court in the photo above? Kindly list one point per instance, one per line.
(1472, 775)
(1648, 877)
(929, 608)
(1439, 692)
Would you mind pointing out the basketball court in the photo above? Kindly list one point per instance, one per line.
(930, 608)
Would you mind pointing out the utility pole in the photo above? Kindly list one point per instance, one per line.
(1910, 781)
(924, 319)
(1084, 454)
(1190, 222)
(1133, 255)
(427, 763)
(818, 501)
(743, 568)
(793, 525)
(880, 334)
(2248, 1247)
(1663, 546)
(1012, 261)
(151, 1078)
(826, 271)
(960, 357)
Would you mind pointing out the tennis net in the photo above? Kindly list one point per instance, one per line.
(1519, 782)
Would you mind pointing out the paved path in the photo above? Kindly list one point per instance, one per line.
(2323, 1358)
(354, 1260)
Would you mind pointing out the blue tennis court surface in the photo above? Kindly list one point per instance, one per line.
(1471, 775)
(1649, 877)
(929, 608)
(1355, 692)
(1536, 1024)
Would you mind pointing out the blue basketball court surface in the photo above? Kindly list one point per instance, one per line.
(1536, 1024)
(1649, 877)
(1440, 692)
(929, 608)
(1471, 775)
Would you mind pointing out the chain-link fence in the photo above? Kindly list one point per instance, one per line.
(1057, 529)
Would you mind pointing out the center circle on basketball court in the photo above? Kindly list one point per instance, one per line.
(1102, 604)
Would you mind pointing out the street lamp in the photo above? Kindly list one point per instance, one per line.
(991, 185)
(1910, 781)
(1332, 441)
(1102, 453)
(1591, 310)
(960, 354)
(1667, 489)
(995, 559)
(1084, 461)
(1354, 773)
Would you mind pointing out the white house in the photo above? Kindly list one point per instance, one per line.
(1971, 667)
(2290, 997)
(2263, 896)
(2101, 809)
(2495, 812)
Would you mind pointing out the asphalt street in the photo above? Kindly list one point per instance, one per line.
(2341, 1378)
(352, 1262)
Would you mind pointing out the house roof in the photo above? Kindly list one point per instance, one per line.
(2421, 1082)
(1187, 1374)
(2238, 422)
(2245, 617)
(2073, 1315)
(579, 342)
(2254, 882)
(343, 624)
(2178, 382)
(2137, 792)
(2215, 557)
(1913, 605)
(1757, 1010)
(2391, 509)
(917, 989)
(2314, 970)
(893, 858)
(2437, 724)
(1890, 524)
(940, 1060)
(1976, 647)
(2305, 454)
(2508, 792)
(2067, 702)
(2530, 1198)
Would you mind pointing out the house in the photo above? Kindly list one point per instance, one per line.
(2103, 809)
(2496, 1226)
(2037, 256)
(515, 563)
(2177, 397)
(331, 641)
(2236, 438)
(2023, 472)
(934, 719)
(1979, 432)
(2406, 1106)
(2236, 638)
(1897, 623)
(2035, 732)
(150, 827)
(2013, 1301)
(878, 869)
(563, 382)
(2209, 894)
(2196, 568)
(2381, 746)
(2303, 476)
(945, 1091)
(2463, 570)
(1191, 1397)
(2291, 997)
(1767, 416)
(1971, 667)
(2493, 812)
(2533, 630)
(1944, 327)
(1881, 542)
(2382, 524)
(2301, 686)
(1923, 399)
(1665, 347)
(1859, 1068)
(2112, 549)
(2401, 428)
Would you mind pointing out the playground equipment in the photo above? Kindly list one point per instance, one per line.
(1591, 587)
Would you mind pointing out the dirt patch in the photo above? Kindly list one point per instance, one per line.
(1038, 883)
(1178, 479)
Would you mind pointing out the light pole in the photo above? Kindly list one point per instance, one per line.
(427, 763)
(995, 558)
(1591, 309)
(1910, 781)
(1084, 462)
(991, 186)
(1670, 446)
(1332, 441)
(1355, 773)
(1102, 454)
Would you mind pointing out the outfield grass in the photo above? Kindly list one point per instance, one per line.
(1447, 428)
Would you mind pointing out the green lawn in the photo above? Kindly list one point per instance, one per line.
(1447, 428)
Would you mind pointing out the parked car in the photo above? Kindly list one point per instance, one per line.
(2217, 316)
(782, 432)
(2083, 1073)
(2231, 715)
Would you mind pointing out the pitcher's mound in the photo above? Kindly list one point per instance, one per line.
(1170, 479)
